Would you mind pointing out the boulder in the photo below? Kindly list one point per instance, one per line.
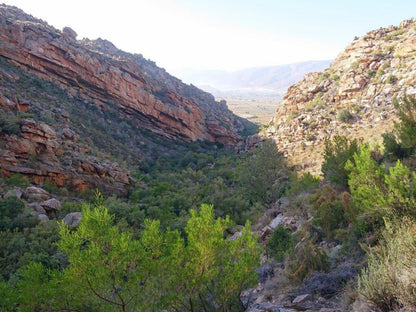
(302, 298)
(51, 204)
(36, 194)
(17, 192)
(37, 208)
(43, 217)
(73, 218)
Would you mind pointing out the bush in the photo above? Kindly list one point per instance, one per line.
(307, 258)
(280, 244)
(344, 115)
(401, 142)
(10, 208)
(17, 179)
(328, 211)
(389, 281)
(337, 153)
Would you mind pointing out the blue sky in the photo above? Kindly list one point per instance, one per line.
(223, 34)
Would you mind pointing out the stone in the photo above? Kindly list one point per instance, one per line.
(16, 192)
(73, 218)
(302, 298)
(43, 217)
(276, 221)
(37, 208)
(328, 284)
(36, 194)
(265, 271)
(51, 204)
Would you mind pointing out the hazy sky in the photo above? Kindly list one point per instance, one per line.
(223, 34)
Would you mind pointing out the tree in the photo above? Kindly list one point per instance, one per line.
(401, 142)
(264, 173)
(106, 264)
(108, 270)
(215, 270)
(337, 153)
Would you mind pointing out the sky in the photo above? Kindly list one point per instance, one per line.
(223, 34)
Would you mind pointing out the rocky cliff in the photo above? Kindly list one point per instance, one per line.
(97, 71)
(353, 97)
(78, 112)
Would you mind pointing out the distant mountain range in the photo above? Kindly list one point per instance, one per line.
(271, 80)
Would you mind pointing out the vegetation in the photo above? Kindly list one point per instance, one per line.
(109, 270)
(344, 115)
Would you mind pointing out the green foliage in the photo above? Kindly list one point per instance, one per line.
(306, 183)
(9, 123)
(329, 211)
(10, 208)
(388, 282)
(391, 79)
(106, 264)
(264, 173)
(17, 179)
(365, 180)
(280, 244)
(306, 259)
(37, 244)
(337, 153)
(109, 270)
(402, 141)
(344, 115)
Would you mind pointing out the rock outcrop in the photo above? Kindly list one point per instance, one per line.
(97, 71)
(353, 97)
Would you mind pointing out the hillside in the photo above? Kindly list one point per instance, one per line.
(353, 97)
(72, 111)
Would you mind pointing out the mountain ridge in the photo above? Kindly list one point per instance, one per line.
(270, 80)
(98, 70)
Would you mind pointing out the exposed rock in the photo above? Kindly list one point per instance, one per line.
(265, 271)
(51, 204)
(364, 79)
(43, 217)
(73, 218)
(36, 194)
(16, 192)
(302, 298)
(98, 71)
(276, 221)
(327, 284)
(37, 208)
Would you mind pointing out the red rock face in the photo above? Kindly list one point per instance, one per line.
(102, 74)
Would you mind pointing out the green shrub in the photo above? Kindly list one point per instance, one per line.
(281, 243)
(328, 210)
(10, 208)
(17, 179)
(401, 142)
(391, 79)
(337, 153)
(307, 258)
(344, 115)
(389, 280)
(9, 123)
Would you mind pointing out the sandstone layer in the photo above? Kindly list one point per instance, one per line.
(96, 70)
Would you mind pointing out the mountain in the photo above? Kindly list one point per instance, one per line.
(353, 97)
(271, 80)
(70, 106)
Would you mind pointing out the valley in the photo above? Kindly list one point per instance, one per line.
(122, 188)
